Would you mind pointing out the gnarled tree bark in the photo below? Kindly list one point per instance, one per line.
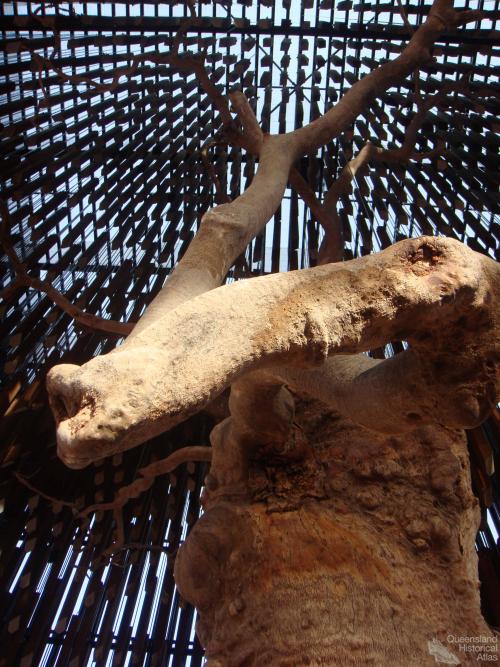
(433, 292)
(326, 539)
(359, 553)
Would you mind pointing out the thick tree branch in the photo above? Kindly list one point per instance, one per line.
(433, 292)
(224, 233)
(261, 423)
(179, 384)
(392, 395)
(441, 17)
(252, 139)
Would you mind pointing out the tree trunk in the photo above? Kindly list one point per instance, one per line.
(360, 553)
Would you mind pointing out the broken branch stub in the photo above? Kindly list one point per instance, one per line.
(436, 293)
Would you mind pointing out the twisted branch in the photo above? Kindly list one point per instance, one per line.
(148, 474)
(420, 290)
(54, 501)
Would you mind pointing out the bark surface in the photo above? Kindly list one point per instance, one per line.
(325, 540)
(358, 549)
(435, 293)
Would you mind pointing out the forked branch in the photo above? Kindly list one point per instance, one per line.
(145, 480)
(332, 248)
(226, 230)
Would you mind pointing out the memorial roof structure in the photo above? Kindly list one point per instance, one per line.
(110, 155)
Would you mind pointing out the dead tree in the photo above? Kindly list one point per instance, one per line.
(331, 535)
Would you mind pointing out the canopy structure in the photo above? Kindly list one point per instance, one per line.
(110, 155)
